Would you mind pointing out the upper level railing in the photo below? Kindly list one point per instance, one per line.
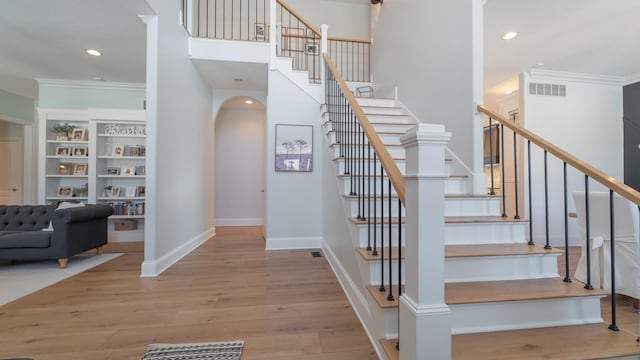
(245, 20)
(352, 58)
(298, 40)
(590, 172)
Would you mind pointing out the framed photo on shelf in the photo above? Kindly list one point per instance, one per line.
(140, 190)
(117, 150)
(63, 151)
(80, 169)
(79, 151)
(65, 191)
(261, 31)
(65, 168)
(128, 171)
(77, 134)
(115, 192)
(130, 191)
(141, 170)
(113, 171)
(294, 148)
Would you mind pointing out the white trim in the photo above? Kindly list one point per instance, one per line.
(537, 74)
(91, 84)
(632, 79)
(15, 120)
(358, 303)
(156, 267)
(290, 243)
(117, 114)
(240, 222)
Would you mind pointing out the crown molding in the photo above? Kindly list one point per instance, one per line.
(537, 74)
(632, 79)
(104, 85)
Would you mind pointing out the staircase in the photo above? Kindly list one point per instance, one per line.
(495, 281)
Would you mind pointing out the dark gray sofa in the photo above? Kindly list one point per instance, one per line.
(75, 230)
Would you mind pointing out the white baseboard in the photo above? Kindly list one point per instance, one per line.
(240, 222)
(156, 267)
(355, 296)
(291, 243)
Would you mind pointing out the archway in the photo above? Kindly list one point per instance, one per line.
(240, 163)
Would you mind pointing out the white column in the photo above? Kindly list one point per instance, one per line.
(425, 319)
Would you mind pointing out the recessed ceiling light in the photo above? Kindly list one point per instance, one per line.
(508, 92)
(94, 52)
(509, 35)
(248, 102)
(98, 79)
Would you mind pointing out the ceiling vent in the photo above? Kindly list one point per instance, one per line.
(547, 89)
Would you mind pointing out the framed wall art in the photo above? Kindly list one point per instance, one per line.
(294, 148)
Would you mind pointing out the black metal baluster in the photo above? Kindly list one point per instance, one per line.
(546, 203)
(566, 228)
(588, 285)
(502, 167)
(375, 205)
(530, 203)
(369, 197)
(492, 192)
(399, 267)
(515, 175)
(613, 326)
(362, 187)
(390, 296)
(382, 288)
(224, 16)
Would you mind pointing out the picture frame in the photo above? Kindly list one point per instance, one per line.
(77, 134)
(80, 169)
(311, 48)
(79, 151)
(260, 31)
(141, 170)
(117, 150)
(115, 192)
(63, 151)
(113, 171)
(140, 190)
(65, 168)
(130, 191)
(65, 191)
(128, 171)
(294, 148)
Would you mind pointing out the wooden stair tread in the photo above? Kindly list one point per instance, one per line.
(592, 341)
(481, 219)
(360, 159)
(455, 251)
(498, 291)
(459, 251)
(386, 196)
(386, 132)
(389, 348)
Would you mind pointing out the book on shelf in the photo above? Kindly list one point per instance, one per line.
(127, 208)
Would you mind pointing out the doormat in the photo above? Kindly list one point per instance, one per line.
(201, 351)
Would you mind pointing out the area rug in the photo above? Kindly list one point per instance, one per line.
(23, 278)
(201, 351)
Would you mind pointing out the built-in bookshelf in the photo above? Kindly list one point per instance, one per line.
(96, 156)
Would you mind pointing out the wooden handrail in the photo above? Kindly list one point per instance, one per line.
(297, 16)
(388, 164)
(349, 40)
(608, 181)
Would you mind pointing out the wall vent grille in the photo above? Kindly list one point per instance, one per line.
(547, 89)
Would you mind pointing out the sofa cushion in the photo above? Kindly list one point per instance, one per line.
(25, 218)
(24, 239)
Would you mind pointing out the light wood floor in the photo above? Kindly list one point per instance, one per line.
(284, 304)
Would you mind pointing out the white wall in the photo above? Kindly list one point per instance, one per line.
(239, 167)
(588, 124)
(180, 194)
(294, 200)
(432, 52)
(345, 19)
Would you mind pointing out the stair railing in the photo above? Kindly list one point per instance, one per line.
(373, 177)
(581, 166)
(352, 58)
(244, 20)
(298, 40)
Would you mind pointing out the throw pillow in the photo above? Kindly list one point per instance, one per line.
(63, 205)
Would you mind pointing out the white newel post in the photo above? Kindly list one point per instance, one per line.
(425, 319)
(324, 30)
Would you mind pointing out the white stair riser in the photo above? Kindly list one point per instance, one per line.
(377, 183)
(482, 206)
(390, 119)
(484, 233)
(376, 102)
(485, 268)
(461, 234)
(382, 127)
(363, 232)
(355, 138)
(371, 110)
(396, 152)
(456, 186)
(513, 315)
(374, 205)
(375, 166)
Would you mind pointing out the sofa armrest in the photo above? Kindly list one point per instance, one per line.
(80, 214)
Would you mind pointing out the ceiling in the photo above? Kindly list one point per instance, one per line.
(47, 39)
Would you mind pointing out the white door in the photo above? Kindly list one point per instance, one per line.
(10, 171)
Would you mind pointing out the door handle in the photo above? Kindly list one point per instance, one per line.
(13, 189)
